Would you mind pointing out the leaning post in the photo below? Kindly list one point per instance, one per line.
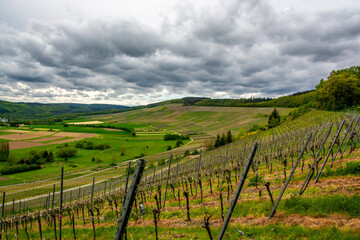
(238, 191)
(130, 198)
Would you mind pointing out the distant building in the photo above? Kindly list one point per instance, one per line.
(4, 120)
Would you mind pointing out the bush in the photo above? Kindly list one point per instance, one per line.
(90, 145)
(255, 128)
(66, 152)
(161, 162)
(195, 152)
(178, 143)
(186, 153)
(172, 136)
(18, 168)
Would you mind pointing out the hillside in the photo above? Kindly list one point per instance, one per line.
(327, 209)
(32, 111)
(193, 119)
(289, 101)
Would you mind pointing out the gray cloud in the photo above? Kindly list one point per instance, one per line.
(240, 49)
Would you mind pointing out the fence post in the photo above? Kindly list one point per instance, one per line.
(302, 189)
(92, 191)
(238, 190)
(126, 184)
(342, 141)
(290, 176)
(153, 180)
(198, 173)
(79, 194)
(223, 174)
(61, 200)
(2, 214)
(352, 131)
(125, 213)
(330, 151)
(167, 181)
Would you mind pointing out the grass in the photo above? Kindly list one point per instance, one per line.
(352, 168)
(195, 232)
(325, 205)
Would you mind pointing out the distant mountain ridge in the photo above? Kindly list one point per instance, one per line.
(27, 111)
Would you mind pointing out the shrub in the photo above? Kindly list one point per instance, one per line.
(256, 127)
(112, 164)
(178, 143)
(173, 136)
(18, 168)
(161, 162)
(195, 152)
(186, 153)
(66, 152)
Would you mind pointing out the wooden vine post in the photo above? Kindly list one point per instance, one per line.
(61, 200)
(126, 184)
(167, 181)
(290, 176)
(350, 137)
(238, 190)
(198, 173)
(330, 151)
(2, 214)
(341, 143)
(130, 198)
(308, 177)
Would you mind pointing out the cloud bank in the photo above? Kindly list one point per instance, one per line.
(237, 49)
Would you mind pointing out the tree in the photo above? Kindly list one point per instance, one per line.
(229, 137)
(66, 152)
(340, 90)
(217, 141)
(223, 139)
(178, 143)
(4, 151)
(186, 153)
(274, 119)
(50, 157)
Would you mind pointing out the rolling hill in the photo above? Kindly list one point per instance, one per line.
(30, 111)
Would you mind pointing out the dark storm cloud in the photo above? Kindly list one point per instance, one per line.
(239, 48)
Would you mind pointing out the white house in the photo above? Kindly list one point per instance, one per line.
(4, 120)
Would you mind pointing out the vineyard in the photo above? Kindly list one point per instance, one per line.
(297, 180)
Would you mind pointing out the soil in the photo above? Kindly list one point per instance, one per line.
(23, 144)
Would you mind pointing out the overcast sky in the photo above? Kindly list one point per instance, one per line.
(139, 51)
